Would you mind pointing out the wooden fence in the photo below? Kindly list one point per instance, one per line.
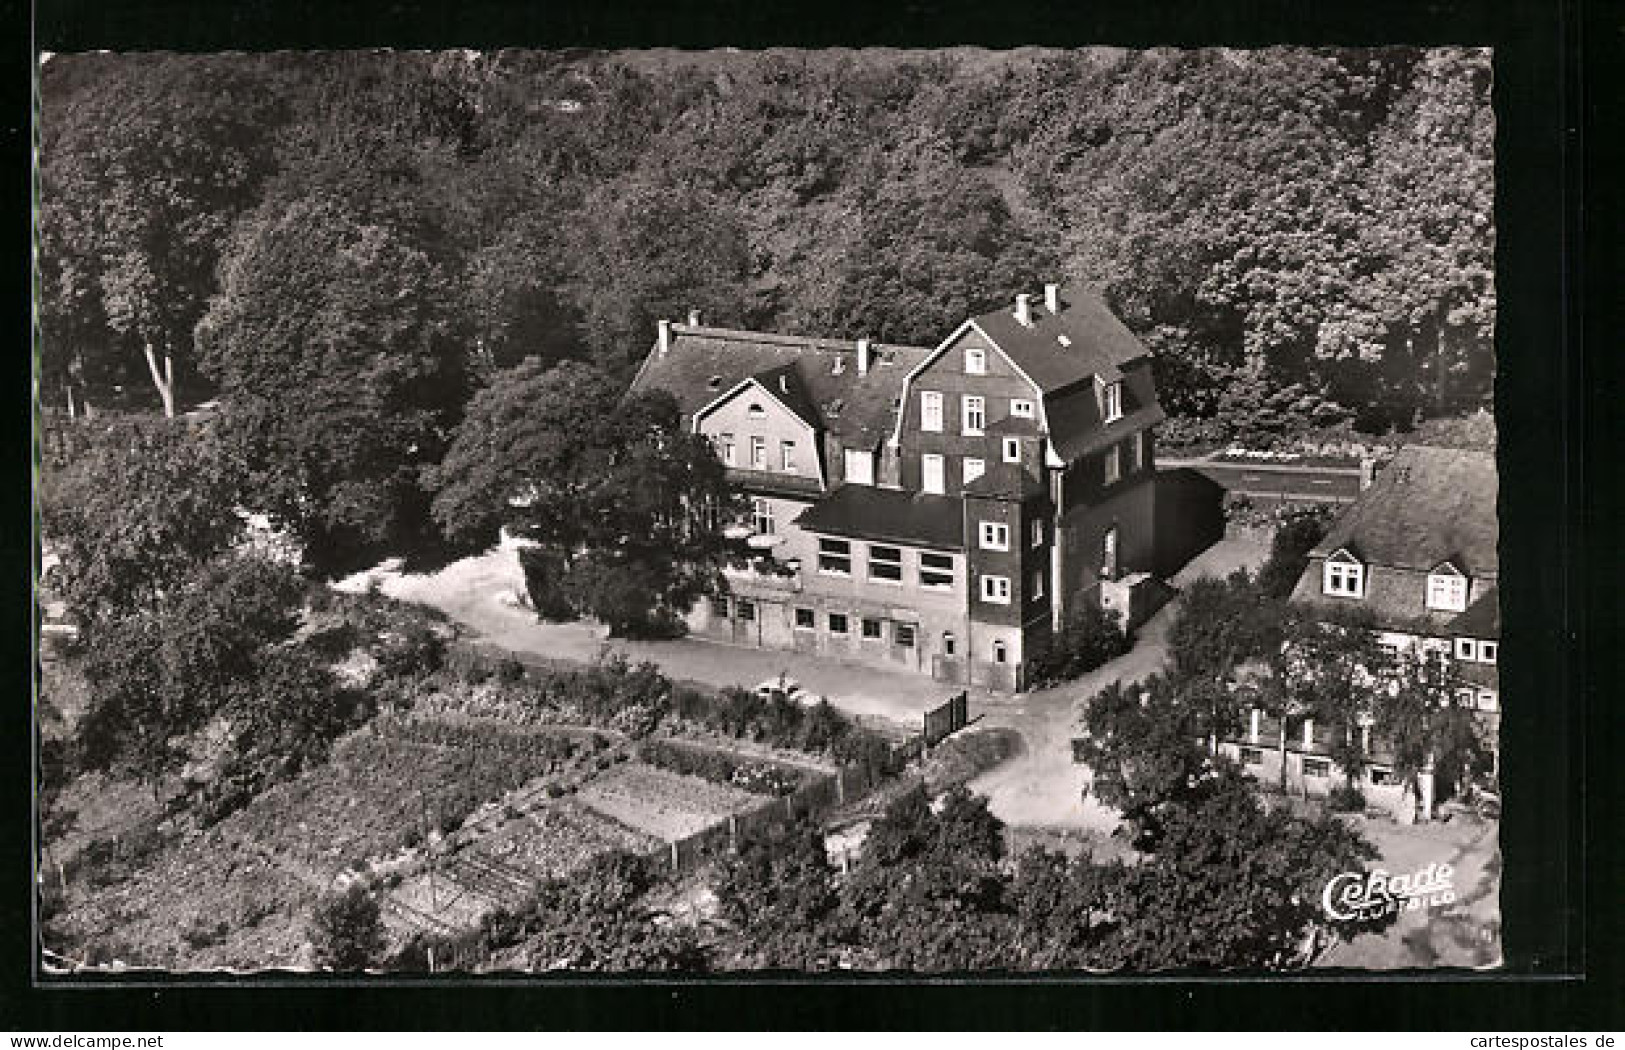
(950, 717)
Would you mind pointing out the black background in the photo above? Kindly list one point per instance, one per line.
(1556, 91)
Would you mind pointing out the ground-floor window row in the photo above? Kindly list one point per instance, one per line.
(900, 633)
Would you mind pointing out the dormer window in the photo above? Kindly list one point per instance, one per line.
(1447, 589)
(1111, 402)
(975, 361)
(1021, 408)
(1343, 577)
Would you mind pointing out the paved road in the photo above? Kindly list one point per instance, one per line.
(1277, 481)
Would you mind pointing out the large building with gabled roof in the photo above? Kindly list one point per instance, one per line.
(935, 508)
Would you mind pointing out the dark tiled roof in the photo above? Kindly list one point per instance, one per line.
(1428, 506)
(702, 363)
(1482, 619)
(1014, 426)
(1097, 342)
(867, 513)
(1003, 480)
(1074, 417)
(769, 483)
(784, 382)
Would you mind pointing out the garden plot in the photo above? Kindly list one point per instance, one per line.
(504, 863)
(668, 806)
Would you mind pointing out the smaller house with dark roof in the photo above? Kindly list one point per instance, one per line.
(1418, 549)
(939, 509)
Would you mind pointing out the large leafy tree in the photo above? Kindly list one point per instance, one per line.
(335, 346)
(135, 512)
(622, 501)
(143, 169)
(1422, 715)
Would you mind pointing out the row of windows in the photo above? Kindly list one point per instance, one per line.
(933, 472)
(869, 628)
(1319, 767)
(972, 412)
(728, 451)
(885, 564)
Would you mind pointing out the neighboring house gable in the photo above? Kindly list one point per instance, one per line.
(771, 426)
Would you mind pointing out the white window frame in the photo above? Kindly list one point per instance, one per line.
(787, 456)
(1486, 700)
(971, 468)
(1447, 592)
(846, 623)
(876, 558)
(831, 555)
(931, 466)
(1113, 466)
(1012, 450)
(1489, 652)
(975, 361)
(864, 463)
(1023, 408)
(932, 575)
(730, 457)
(931, 411)
(1038, 532)
(994, 536)
(996, 589)
(1001, 652)
(1342, 579)
(972, 407)
(758, 452)
(1111, 402)
(1467, 649)
(761, 512)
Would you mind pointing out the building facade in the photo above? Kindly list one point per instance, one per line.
(934, 509)
(1418, 550)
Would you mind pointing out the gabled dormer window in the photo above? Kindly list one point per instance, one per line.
(1111, 402)
(1447, 589)
(975, 361)
(1344, 576)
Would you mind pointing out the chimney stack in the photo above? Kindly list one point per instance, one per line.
(665, 336)
(1024, 310)
(863, 356)
(1052, 298)
(693, 318)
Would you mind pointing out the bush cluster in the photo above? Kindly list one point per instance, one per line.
(759, 778)
(1089, 638)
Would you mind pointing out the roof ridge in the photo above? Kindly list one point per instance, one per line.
(804, 341)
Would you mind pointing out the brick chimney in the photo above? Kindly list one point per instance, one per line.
(664, 327)
(1024, 309)
(693, 318)
(1052, 298)
(863, 356)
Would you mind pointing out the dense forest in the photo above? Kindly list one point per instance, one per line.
(344, 248)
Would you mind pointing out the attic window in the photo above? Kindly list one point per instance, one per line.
(714, 382)
(1343, 577)
(756, 411)
(1447, 589)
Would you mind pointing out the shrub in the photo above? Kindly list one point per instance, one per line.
(346, 931)
(1345, 798)
(1090, 637)
(1299, 530)
(759, 778)
(510, 671)
(411, 650)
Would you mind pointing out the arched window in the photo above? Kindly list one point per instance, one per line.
(947, 643)
(1000, 654)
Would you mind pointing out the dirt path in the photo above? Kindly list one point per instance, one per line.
(1043, 787)
(479, 593)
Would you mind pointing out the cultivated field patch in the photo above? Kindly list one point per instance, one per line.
(666, 805)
